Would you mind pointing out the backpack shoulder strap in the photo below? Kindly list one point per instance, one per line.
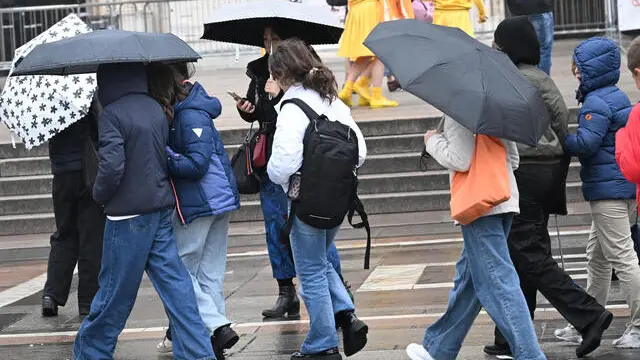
(311, 114)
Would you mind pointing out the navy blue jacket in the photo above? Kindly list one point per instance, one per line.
(605, 110)
(198, 163)
(132, 175)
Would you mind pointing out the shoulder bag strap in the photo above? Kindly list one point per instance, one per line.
(311, 114)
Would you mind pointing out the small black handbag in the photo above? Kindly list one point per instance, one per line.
(241, 163)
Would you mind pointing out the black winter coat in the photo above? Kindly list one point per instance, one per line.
(265, 112)
(66, 149)
(133, 177)
(529, 7)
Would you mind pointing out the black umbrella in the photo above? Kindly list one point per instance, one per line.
(244, 23)
(83, 53)
(474, 84)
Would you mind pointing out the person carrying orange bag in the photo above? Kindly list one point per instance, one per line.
(485, 198)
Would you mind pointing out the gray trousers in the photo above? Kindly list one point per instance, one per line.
(610, 246)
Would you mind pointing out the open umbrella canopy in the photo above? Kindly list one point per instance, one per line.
(474, 84)
(84, 53)
(36, 108)
(244, 23)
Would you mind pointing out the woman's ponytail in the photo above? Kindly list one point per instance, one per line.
(322, 81)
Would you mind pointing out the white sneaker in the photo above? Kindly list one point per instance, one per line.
(165, 346)
(418, 352)
(569, 334)
(630, 339)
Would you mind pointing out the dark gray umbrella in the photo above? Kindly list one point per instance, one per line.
(474, 84)
(244, 23)
(83, 53)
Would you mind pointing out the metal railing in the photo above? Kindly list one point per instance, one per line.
(185, 18)
(585, 16)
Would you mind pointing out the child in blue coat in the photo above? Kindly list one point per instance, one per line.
(605, 110)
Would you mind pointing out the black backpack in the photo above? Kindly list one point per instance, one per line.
(329, 182)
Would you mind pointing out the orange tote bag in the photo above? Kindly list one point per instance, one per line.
(486, 185)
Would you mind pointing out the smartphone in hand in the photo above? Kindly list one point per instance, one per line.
(235, 96)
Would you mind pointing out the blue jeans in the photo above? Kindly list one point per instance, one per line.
(543, 23)
(130, 247)
(202, 246)
(485, 277)
(321, 288)
(275, 209)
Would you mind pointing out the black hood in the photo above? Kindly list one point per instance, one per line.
(517, 38)
(118, 80)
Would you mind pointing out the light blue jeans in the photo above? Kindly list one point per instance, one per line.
(320, 286)
(130, 247)
(544, 25)
(485, 277)
(202, 246)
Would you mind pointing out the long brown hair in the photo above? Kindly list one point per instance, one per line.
(166, 86)
(292, 62)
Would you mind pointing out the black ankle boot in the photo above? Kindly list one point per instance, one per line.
(354, 332)
(287, 303)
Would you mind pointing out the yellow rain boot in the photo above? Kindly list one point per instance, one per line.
(379, 101)
(362, 89)
(346, 94)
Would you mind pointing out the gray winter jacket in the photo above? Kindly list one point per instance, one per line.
(550, 146)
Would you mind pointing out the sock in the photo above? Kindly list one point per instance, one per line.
(363, 81)
(285, 282)
(348, 86)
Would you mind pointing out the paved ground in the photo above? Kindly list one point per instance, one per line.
(404, 292)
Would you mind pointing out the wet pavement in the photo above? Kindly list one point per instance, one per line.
(405, 291)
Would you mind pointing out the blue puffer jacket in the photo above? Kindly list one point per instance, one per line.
(605, 110)
(198, 163)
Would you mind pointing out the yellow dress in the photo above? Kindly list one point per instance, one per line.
(455, 13)
(363, 17)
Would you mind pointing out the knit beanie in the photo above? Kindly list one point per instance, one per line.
(517, 38)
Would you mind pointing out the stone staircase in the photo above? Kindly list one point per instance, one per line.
(403, 201)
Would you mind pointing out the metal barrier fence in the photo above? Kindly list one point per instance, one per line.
(585, 16)
(185, 18)
(19, 25)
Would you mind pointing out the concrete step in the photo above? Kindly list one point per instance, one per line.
(235, 136)
(380, 174)
(33, 214)
(7, 151)
(381, 189)
(384, 227)
(26, 185)
(25, 166)
(36, 223)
